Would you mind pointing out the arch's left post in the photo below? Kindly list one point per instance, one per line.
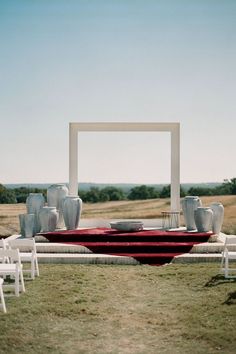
(73, 160)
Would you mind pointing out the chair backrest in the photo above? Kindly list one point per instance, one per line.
(10, 255)
(3, 244)
(230, 244)
(24, 245)
(230, 240)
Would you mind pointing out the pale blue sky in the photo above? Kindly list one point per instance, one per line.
(67, 61)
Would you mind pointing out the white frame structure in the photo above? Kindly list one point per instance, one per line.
(172, 128)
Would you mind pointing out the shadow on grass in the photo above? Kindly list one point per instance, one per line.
(218, 280)
(231, 300)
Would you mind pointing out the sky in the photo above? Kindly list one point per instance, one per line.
(67, 61)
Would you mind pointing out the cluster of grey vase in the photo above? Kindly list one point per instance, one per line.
(61, 209)
(202, 219)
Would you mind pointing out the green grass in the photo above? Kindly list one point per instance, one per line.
(122, 309)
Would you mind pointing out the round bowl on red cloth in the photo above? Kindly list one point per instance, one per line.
(127, 225)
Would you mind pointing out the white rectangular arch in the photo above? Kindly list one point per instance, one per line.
(173, 128)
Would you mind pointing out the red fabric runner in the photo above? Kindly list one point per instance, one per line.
(68, 234)
(147, 246)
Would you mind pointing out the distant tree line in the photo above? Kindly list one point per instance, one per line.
(17, 195)
(109, 193)
(226, 188)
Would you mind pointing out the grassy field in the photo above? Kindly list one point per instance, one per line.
(122, 309)
(9, 223)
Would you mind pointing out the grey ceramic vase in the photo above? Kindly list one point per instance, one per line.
(55, 196)
(27, 225)
(48, 217)
(34, 203)
(218, 217)
(72, 208)
(203, 219)
(189, 204)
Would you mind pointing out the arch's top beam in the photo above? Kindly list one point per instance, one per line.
(124, 126)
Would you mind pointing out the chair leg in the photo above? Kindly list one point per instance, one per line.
(37, 267)
(2, 300)
(32, 269)
(222, 265)
(22, 280)
(17, 285)
(226, 267)
(222, 262)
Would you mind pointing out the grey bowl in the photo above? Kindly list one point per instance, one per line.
(127, 225)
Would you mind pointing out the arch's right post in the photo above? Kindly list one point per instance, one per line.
(73, 159)
(175, 168)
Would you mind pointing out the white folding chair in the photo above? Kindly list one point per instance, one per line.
(28, 253)
(3, 305)
(229, 253)
(14, 269)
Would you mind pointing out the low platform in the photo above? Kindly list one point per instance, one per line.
(198, 258)
(52, 252)
(85, 258)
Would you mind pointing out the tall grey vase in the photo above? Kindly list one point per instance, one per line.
(48, 217)
(203, 219)
(189, 204)
(218, 217)
(34, 203)
(55, 195)
(27, 225)
(72, 208)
